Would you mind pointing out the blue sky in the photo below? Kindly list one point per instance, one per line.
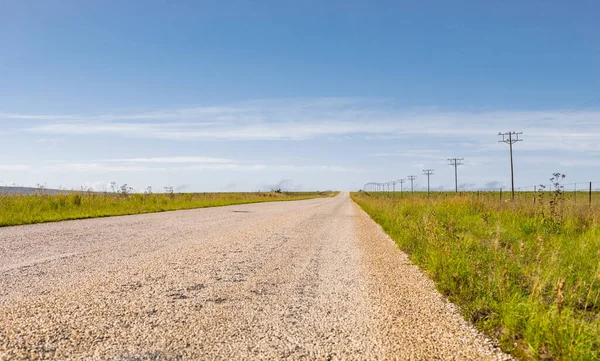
(245, 95)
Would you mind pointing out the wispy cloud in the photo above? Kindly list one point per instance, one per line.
(179, 164)
(86, 167)
(344, 119)
(49, 140)
(412, 153)
(172, 160)
(14, 167)
(562, 161)
(363, 139)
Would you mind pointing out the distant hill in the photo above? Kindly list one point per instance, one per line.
(29, 190)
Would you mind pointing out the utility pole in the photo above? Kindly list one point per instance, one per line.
(428, 173)
(511, 138)
(455, 162)
(401, 181)
(412, 178)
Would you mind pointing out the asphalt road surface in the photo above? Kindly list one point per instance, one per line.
(311, 280)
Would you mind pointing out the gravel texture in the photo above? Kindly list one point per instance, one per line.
(315, 279)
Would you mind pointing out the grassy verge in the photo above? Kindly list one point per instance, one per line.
(527, 274)
(19, 210)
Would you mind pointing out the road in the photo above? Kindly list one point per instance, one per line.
(314, 279)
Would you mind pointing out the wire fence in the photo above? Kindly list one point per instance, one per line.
(567, 187)
(577, 192)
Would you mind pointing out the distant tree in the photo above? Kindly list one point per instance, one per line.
(40, 188)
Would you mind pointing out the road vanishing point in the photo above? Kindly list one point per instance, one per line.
(301, 280)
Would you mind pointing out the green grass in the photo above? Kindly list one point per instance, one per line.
(29, 209)
(524, 273)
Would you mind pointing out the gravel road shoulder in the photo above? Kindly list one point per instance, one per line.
(420, 323)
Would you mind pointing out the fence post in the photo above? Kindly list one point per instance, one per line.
(575, 193)
(590, 194)
(534, 193)
(500, 195)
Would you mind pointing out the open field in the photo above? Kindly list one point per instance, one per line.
(30, 209)
(526, 273)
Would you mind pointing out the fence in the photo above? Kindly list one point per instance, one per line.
(579, 192)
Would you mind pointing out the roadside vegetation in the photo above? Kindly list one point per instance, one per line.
(525, 272)
(29, 209)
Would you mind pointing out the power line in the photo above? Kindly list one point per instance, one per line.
(455, 162)
(513, 137)
(573, 109)
(587, 104)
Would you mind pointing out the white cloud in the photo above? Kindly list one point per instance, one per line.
(361, 138)
(126, 166)
(49, 140)
(14, 167)
(412, 153)
(563, 161)
(331, 118)
(172, 160)
(98, 168)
